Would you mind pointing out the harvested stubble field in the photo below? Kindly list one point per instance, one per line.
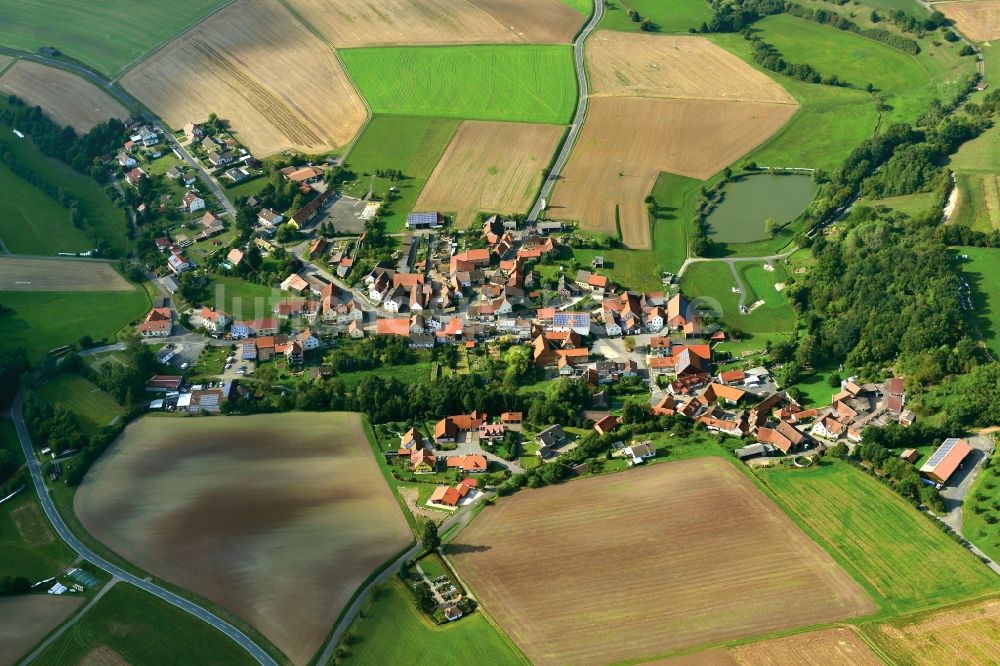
(979, 20)
(30, 274)
(689, 552)
(490, 167)
(627, 142)
(351, 23)
(966, 635)
(258, 68)
(682, 67)
(27, 619)
(277, 518)
(66, 98)
(839, 645)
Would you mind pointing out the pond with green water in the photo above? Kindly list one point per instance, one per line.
(749, 201)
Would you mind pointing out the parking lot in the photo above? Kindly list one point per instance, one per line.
(345, 213)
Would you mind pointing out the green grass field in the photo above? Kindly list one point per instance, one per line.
(42, 321)
(906, 84)
(910, 204)
(390, 630)
(978, 201)
(982, 270)
(411, 144)
(980, 154)
(105, 35)
(106, 219)
(904, 561)
(829, 125)
(93, 407)
(28, 546)
(675, 197)
(415, 373)
(518, 83)
(585, 7)
(141, 629)
(243, 299)
(33, 223)
(674, 16)
(714, 280)
(982, 504)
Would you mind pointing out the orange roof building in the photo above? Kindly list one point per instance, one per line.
(946, 460)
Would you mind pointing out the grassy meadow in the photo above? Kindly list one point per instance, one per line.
(42, 321)
(982, 270)
(93, 407)
(714, 280)
(666, 17)
(390, 630)
(410, 144)
(33, 223)
(28, 546)
(131, 626)
(104, 217)
(901, 557)
(107, 36)
(517, 83)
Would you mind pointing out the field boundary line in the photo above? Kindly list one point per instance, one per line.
(347, 147)
(167, 42)
(6, 68)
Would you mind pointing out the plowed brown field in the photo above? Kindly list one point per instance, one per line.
(26, 274)
(347, 23)
(66, 98)
(489, 166)
(626, 142)
(680, 67)
(979, 20)
(277, 518)
(839, 645)
(969, 636)
(647, 562)
(257, 67)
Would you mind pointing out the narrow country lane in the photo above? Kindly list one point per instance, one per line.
(583, 88)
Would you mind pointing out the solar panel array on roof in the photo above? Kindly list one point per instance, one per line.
(421, 219)
(942, 451)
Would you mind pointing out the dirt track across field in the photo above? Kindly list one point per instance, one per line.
(31, 274)
(25, 620)
(261, 70)
(277, 518)
(627, 141)
(353, 23)
(979, 20)
(647, 562)
(678, 67)
(495, 167)
(67, 99)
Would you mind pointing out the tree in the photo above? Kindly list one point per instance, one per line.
(429, 537)
(770, 227)
(424, 597)
(629, 343)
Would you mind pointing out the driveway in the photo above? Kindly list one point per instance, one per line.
(961, 482)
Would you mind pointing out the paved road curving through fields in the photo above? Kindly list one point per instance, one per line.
(117, 572)
(581, 111)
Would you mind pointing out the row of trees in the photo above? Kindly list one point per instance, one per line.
(63, 143)
(896, 41)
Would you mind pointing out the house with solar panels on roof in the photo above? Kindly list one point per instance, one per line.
(946, 460)
(424, 220)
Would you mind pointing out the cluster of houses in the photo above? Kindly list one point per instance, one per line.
(418, 452)
(221, 153)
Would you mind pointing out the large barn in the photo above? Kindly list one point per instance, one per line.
(946, 460)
